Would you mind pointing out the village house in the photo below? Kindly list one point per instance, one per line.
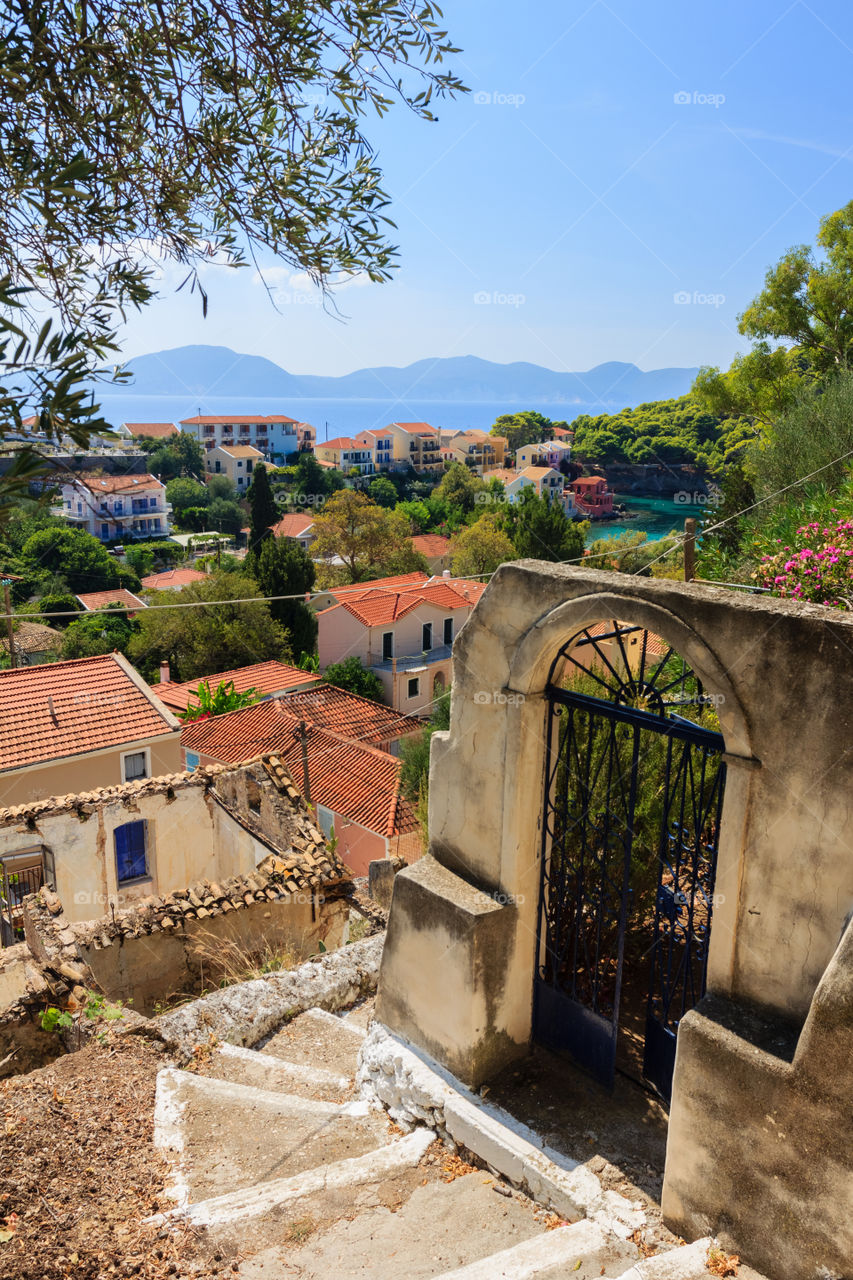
(592, 497)
(403, 631)
(116, 507)
(148, 430)
(269, 679)
(33, 643)
(546, 482)
(435, 549)
(381, 447)
(275, 436)
(305, 436)
(346, 454)
(172, 579)
(476, 449)
(94, 600)
(298, 525)
(353, 785)
(68, 727)
(545, 453)
(156, 865)
(416, 444)
(237, 462)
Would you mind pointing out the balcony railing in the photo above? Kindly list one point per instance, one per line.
(411, 662)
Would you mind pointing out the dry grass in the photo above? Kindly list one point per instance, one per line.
(225, 961)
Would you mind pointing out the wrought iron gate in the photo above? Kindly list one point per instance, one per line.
(634, 791)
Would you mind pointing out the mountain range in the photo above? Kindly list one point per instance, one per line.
(220, 372)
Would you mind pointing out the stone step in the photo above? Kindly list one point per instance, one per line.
(248, 1066)
(319, 1039)
(437, 1226)
(264, 1198)
(237, 1135)
(685, 1263)
(582, 1250)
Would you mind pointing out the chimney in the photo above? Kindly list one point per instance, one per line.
(165, 677)
(445, 573)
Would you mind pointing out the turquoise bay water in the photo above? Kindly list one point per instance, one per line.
(655, 517)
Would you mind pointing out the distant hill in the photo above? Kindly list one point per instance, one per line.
(221, 372)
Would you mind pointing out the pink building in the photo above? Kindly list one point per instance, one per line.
(592, 497)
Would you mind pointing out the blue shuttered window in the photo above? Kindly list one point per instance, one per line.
(131, 862)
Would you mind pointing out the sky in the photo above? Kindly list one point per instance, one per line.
(614, 187)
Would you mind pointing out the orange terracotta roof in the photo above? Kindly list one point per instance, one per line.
(339, 442)
(374, 584)
(172, 578)
(267, 677)
(115, 484)
(241, 451)
(469, 588)
(213, 419)
(385, 604)
(119, 595)
(536, 473)
(588, 482)
(417, 428)
(350, 778)
(431, 544)
(293, 525)
(72, 708)
(350, 716)
(152, 430)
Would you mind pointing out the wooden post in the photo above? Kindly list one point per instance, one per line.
(302, 735)
(689, 550)
(12, 655)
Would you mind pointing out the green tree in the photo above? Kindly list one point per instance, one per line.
(183, 492)
(140, 560)
(212, 151)
(481, 547)
(101, 632)
(351, 675)
(220, 486)
(55, 602)
(281, 568)
(528, 427)
(262, 506)
(199, 641)
(217, 700)
(543, 531)
(73, 557)
(382, 492)
(223, 516)
(178, 455)
(459, 488)
(366, 538)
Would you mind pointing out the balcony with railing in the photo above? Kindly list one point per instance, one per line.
(416, 661)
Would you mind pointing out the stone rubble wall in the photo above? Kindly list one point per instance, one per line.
(248, 1012)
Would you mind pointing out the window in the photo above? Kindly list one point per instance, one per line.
(135, 765)
(414, 687)
(387, 646)
(427, 637)
(249, 465)
(191, 760)
(448, 631)
(131, 859)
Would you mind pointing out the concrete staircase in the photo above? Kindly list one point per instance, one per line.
(278, 1161)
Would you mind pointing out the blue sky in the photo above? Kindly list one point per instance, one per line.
(614, 188)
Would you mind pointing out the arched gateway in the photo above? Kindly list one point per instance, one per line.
(634, 783)
(534, 903)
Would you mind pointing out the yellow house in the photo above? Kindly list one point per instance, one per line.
(69, 727)
(236, 461)
(416, 444)
(476, 449)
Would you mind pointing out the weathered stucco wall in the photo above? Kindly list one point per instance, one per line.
(154, 968)
(101, 769)
(189, 836)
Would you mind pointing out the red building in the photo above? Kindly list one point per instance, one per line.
(592, 497)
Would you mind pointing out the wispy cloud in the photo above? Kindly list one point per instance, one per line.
(807, 144)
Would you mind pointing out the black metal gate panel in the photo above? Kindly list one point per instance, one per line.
(608, 848)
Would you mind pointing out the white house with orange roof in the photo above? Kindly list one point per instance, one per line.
(404, 632)
(298, 525)
(112, 507)
(275, 435)
(545, 482)
(237, 462)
